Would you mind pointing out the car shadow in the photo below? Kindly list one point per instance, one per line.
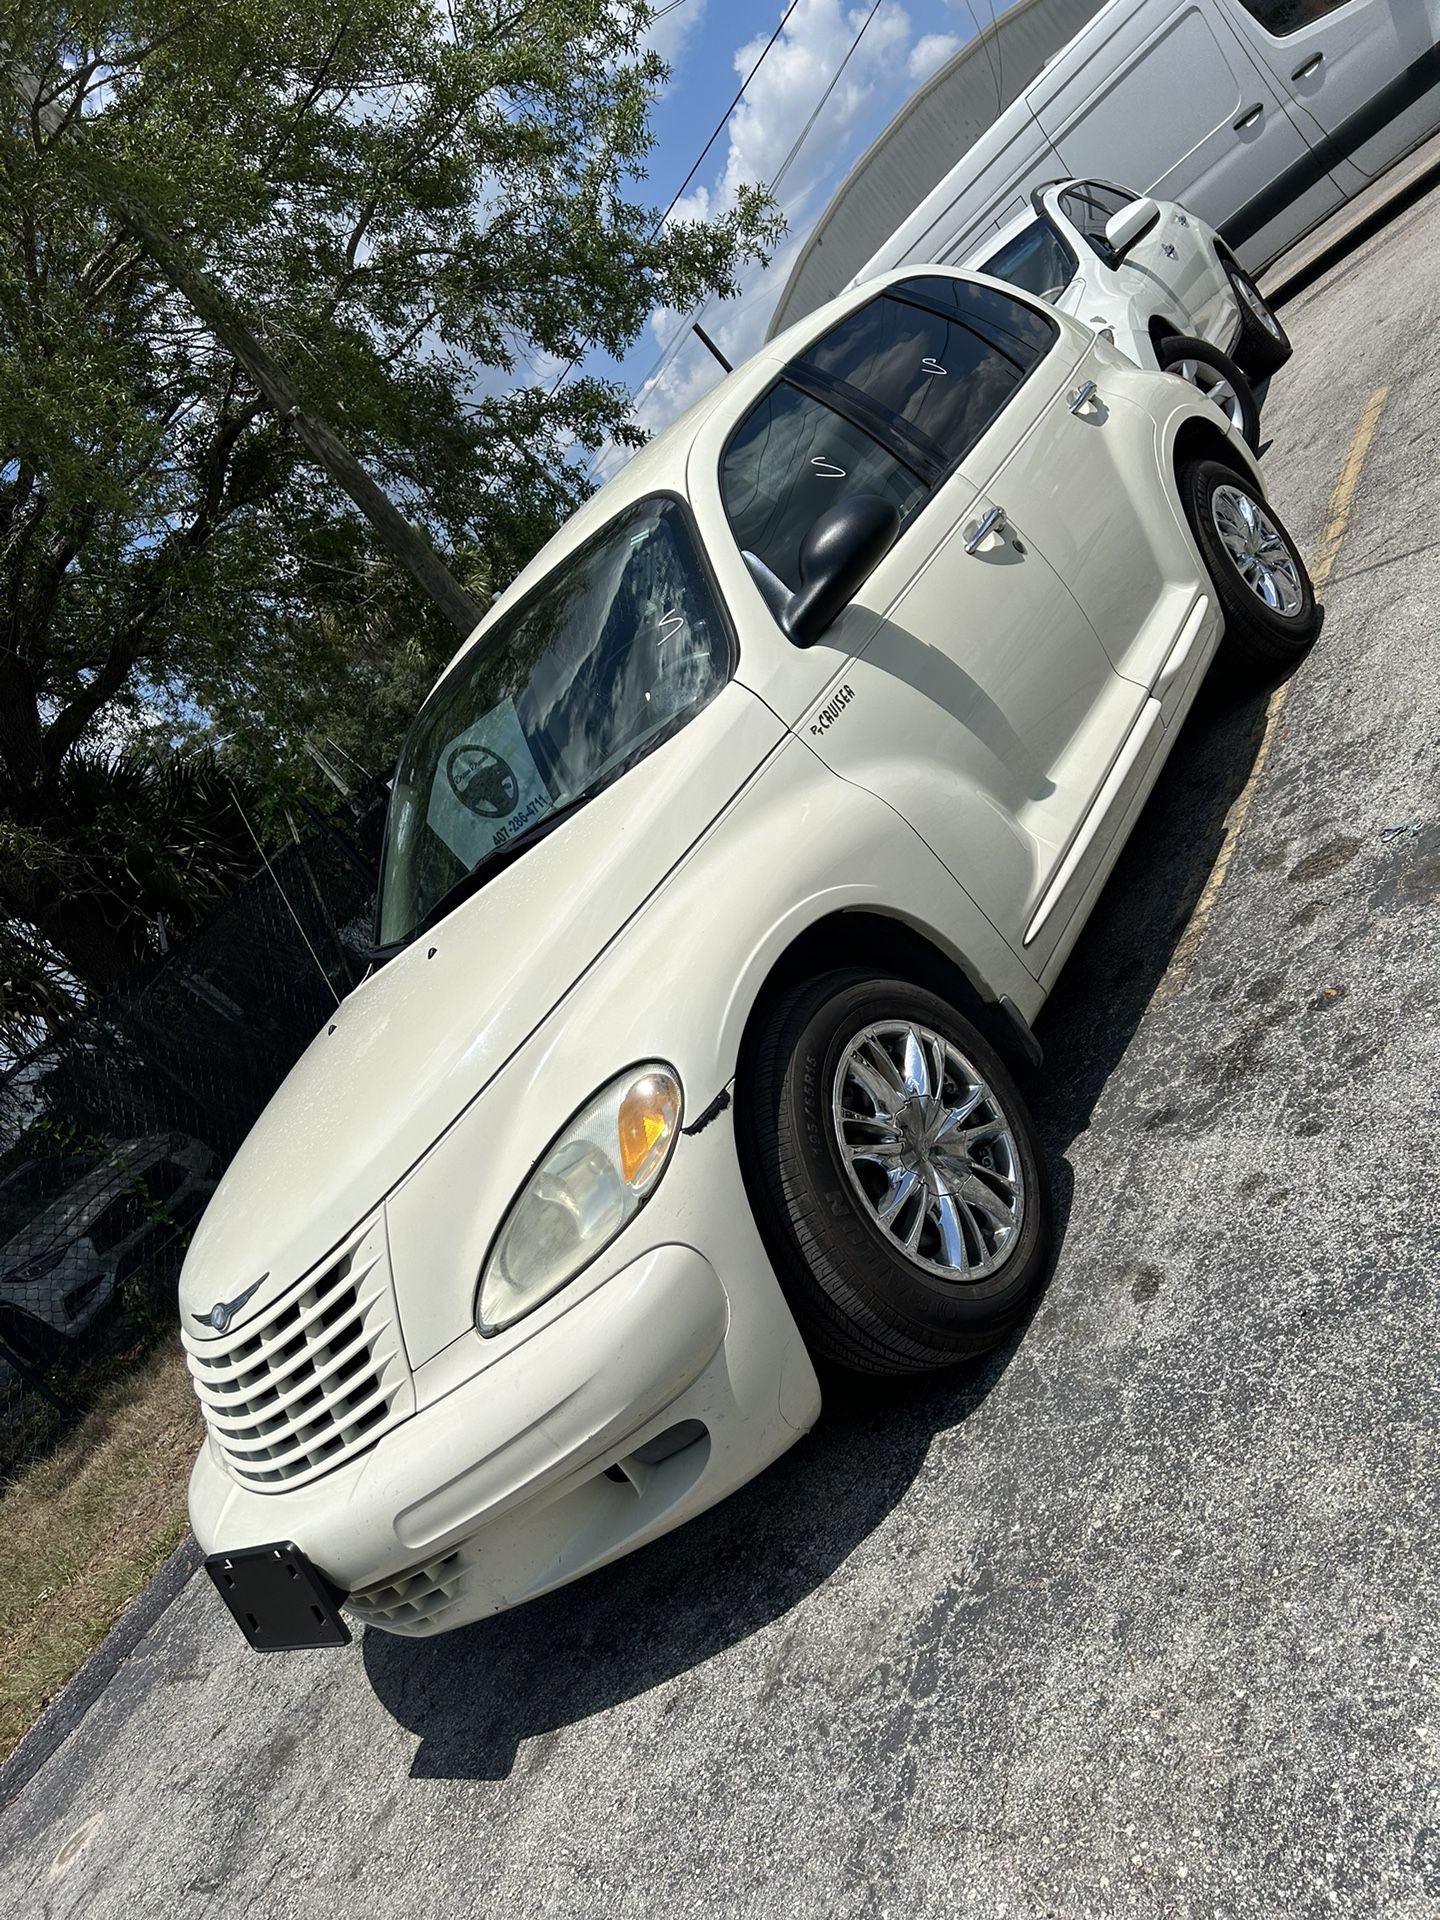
(1129, 943)
(476, 1695)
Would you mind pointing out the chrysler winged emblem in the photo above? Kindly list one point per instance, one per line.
(224, 1311)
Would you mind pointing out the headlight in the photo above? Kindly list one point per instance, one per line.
(37, 1268)
(594, 1179)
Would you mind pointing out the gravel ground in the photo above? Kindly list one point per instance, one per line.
(1138, 1620)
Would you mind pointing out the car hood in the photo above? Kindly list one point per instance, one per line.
(417, 1041)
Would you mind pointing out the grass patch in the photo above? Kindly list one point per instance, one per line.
(82, 1531)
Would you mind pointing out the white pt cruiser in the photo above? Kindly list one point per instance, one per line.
(726, 866)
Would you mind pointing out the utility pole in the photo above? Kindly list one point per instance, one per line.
(219, 313)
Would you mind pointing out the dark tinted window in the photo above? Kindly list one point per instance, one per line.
(790, 459)
(1288, 16)
(1036, 260)
(1020, 331)
(1090, 206)
(938, 373)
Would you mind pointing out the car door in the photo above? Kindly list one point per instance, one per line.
(1366, 72)
(1171, 102)
(1172, 270)
(964, 685)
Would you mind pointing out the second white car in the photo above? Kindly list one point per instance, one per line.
(1153, 278)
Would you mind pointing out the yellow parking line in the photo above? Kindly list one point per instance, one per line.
(1341, 501)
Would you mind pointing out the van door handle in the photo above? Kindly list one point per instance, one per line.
(1307, 67)
(1250, 116)
(1084, 394)
(992, 522)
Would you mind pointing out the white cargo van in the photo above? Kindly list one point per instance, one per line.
(1262, 116)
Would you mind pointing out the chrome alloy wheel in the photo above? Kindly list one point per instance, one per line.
(1255, 301)
(1213, 384)
(928, 1149)
(1258, 548)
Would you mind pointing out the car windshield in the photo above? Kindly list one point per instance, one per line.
(621, 645)
(1035, 260)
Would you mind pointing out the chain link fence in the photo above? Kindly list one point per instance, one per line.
(114, 1133)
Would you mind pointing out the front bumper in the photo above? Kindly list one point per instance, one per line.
(652, 1397)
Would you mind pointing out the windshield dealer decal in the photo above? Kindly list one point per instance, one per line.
(831, 711)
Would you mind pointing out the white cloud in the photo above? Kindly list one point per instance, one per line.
(761, 141)
(668, 35)
(930, 52)
(789, 86)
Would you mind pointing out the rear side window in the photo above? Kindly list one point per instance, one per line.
(1036, 260)
(887, 402)
(791, 459)
(932, 372)
(1089, 206)
(1288, 16)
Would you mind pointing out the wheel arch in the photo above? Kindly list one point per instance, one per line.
(1197, 438)
(886, 943)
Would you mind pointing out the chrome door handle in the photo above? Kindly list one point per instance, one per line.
(1307, 67)
(992, 522)
(1250, 116)
(1083, 395)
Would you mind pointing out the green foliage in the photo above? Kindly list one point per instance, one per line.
(424, 210)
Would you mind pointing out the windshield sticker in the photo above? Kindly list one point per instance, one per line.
(487, 786)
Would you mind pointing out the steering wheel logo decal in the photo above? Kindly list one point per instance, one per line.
(482, 782)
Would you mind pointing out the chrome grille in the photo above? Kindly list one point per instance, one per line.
(311, 1380)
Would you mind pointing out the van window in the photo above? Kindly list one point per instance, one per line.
(1090, 206)
(1288, 16)
(1036, 260)
(790, 459)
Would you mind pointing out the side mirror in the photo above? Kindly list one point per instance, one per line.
(1132, 223)
(835, 556)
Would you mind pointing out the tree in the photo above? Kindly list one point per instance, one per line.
(424, 210)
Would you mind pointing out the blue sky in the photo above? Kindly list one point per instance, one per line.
(711, 45)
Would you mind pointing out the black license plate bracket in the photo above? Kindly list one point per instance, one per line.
(279, 1600)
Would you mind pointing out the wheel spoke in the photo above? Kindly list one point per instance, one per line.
(974, 1192)
(957, 1116)
(1266, 588)
(879, 1153)
(952, 1233)
(917, 1068)
(902, 1183)
(878, 1090)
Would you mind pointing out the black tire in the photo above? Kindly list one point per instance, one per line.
(863, 1306)
(1262, 348)
(1177, 349)
(1258, 638)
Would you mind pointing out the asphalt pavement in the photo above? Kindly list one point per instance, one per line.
(1138, 1619)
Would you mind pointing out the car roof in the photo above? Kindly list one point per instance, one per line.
(661, 466)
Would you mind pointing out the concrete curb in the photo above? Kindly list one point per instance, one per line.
(85, 1686)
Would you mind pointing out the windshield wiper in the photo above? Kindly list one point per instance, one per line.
(484, 869)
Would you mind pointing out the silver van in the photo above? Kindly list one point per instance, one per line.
(1261, 116)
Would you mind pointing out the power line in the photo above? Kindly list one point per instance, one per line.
(669, 352)
(720, 126)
